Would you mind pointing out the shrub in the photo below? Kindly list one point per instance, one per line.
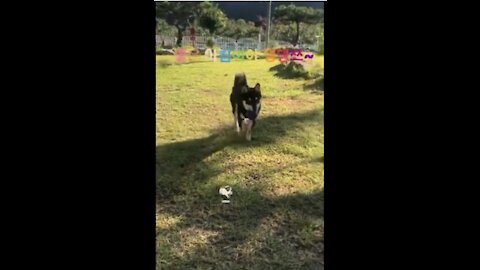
(291, 70)
(165, 52)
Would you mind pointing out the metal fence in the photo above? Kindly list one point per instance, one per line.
(222, 42)
(227, 43)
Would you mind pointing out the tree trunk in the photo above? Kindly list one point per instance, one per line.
(179, 37)
(295, 42)
(213, 42)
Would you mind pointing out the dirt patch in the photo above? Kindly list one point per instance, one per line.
(294, 103)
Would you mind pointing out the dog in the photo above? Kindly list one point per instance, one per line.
(246, 105)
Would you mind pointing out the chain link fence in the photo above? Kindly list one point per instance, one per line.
(226, 43)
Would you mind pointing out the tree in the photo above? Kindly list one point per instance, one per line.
(163, 28)
(261, 24)
(296, 14)
(211, 17)
(284, 32)
(308, 33)
(179, 14)
(238, 29)
(182, 15)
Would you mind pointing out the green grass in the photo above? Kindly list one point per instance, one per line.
(275, 218)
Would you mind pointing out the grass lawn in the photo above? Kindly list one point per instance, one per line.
(275, 218)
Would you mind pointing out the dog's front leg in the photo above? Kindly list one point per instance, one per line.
(235, 119)
(249, 134)
(248, 129)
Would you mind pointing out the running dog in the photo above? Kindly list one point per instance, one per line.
(246, 105)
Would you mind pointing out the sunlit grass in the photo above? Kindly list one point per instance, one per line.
(275, 218)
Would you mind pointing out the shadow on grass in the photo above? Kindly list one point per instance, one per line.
(164, 63)
(187, 61)
(320, 159)
(181, 166)
(167, 63)
(292, 70)
(318, 85)
(255, 231)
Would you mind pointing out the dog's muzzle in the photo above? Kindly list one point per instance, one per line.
(252, 115)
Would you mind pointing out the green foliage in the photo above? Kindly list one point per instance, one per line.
(205, 17)
(211, 17)
(163, 28)
(296, 15)
(292, 13)
(210, 43)
(283, 31)
(200, 31)
(309, 33)
(239, 29)
(177, 14)
(321, 42)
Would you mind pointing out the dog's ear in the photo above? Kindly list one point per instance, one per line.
(257, 87)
